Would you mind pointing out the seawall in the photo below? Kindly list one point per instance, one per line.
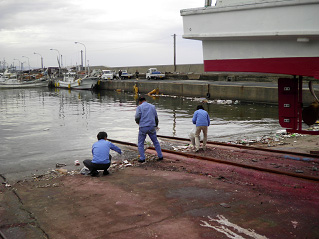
(186, 68)
(205, 89)
(195, 72)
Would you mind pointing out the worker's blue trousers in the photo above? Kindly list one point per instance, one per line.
(151, 132)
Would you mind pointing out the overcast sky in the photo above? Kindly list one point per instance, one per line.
(115, 33)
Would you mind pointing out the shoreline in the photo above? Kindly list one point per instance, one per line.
(295, 143)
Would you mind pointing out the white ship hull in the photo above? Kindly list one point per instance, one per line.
(83, 84)
(273, 36)
(22, 84)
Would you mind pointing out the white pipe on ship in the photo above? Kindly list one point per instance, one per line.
(208, 3)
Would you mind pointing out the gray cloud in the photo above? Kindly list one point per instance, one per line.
(115, 33)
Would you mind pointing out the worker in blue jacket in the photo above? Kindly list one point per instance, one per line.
(146, 118)
(101, 155)
(202, 121)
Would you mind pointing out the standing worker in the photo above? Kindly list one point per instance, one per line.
(201, 120)
(146, 118)
(120, 74)
(136, 74)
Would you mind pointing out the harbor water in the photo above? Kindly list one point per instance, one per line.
(41, 127)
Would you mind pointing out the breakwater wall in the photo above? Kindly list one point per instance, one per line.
(195, 72)
(256, 94)
(186, 68)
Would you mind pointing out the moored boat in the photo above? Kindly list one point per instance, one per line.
(23, 84)
(12, 80)
(70, 81)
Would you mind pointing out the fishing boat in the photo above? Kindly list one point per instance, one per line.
(11, 80)
(70, 81)
(22, 84)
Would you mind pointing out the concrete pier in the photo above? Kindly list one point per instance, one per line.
(258, 92)
(179, 197)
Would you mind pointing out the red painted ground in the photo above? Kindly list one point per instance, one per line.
(176, 198)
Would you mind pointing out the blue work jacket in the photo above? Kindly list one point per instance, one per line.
(146, 115)
(101, 151)
(201, 118)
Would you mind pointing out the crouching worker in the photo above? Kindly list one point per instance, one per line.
(101, 155)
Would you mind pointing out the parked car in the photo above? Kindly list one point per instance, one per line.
(153, 73)
(125, 75)
(107, 75)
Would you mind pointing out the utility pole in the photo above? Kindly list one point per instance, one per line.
(174, 52)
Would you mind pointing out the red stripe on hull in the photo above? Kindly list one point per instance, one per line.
(303, 66)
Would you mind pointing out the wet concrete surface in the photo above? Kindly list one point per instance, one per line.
(177, 197)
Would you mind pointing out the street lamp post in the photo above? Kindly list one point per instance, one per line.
(28, 61)
(19, 63)
(41, 59)
(22, 63)
(29, 66)
(86, 70)
(58, 58)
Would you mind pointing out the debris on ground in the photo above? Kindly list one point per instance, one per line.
(62, 170)
(59, 165)
(7, 185)
(270, 140)
(225, 205)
